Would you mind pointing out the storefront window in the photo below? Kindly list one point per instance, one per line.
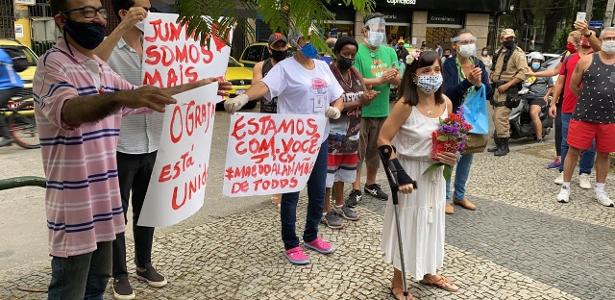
(338, 29)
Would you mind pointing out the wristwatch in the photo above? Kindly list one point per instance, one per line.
(588, 35)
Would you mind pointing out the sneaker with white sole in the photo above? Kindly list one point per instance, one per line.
(584, 182)
(150, 275)
(122, 289)
(560, 179)
(603, 199)
(564, 195)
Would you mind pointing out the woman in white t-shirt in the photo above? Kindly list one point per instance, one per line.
(303, 85)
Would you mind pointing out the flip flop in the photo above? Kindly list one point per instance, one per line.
(442, 283)
(393, 289)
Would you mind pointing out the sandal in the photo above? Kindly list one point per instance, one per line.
(442, 283)
(399, 295)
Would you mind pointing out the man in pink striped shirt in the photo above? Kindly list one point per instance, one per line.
(79, 105)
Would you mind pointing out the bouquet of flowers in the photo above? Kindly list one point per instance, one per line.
(450, 137)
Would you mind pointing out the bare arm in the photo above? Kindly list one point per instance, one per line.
(374, 81)
(547, 73)
(79, 110)
(575, 80)
(558, 88)
(399, 114)
(339, 104)
(104, 50)
(257, 72)
(257, 91)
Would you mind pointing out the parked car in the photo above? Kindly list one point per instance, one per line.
(16, 49)
(241, 80)
(253, 54)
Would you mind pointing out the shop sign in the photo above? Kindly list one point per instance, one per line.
(444, 18)
(402, 2)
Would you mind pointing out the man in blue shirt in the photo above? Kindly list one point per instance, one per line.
(10, 83)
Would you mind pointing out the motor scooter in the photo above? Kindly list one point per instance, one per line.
(521, 125)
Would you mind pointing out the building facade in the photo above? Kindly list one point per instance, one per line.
(418, 21)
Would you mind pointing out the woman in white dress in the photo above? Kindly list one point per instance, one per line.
(409, 127)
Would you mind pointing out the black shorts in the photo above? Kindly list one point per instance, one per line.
(537, 101)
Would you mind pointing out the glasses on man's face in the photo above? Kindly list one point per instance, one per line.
(610, 38)
(88, 12)
(466, 42)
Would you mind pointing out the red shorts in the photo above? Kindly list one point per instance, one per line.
(582, 134)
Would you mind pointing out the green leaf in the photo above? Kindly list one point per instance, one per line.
(447, 172)
(285, 16)
(433, 168)
(443, 138)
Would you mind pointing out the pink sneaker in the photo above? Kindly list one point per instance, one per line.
(320, 246)
(296, 256)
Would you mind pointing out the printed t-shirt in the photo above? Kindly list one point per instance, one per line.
(372, 65)
(302, 91)
(82, 200)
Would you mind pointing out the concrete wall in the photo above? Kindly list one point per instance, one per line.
(419, 26)
(479, 25)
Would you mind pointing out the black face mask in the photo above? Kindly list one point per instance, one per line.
(345, 63)
(87, 35)
(279, 55)
(509, 44)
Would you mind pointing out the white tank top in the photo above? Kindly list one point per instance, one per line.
(414, 141)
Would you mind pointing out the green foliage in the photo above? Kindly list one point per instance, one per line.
(286, 16)
(561, 38)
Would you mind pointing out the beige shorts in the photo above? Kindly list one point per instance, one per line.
(368, 142)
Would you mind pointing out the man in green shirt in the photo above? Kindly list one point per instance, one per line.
(378, 64)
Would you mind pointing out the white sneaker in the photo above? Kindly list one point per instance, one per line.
(564, 195)
(560, 179)
(584, 182)
(603, 199)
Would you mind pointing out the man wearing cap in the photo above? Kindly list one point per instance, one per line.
(377, 63)
(509, 70)
(278, 51)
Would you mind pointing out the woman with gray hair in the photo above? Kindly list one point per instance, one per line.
(463, 73)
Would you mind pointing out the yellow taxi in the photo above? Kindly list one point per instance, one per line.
(254, 53)
(15, 49)
(240, 78)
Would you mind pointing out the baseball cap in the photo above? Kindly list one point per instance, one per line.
(507, 33)
(276, 37)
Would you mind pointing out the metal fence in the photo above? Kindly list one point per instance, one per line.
(7, 19)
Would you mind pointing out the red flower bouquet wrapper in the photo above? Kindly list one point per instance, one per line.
(450, 137)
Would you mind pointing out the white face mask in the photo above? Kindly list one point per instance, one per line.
(467, 50)
(140, 25)
(608, 47)
(374, 37)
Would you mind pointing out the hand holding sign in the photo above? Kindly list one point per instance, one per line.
(146, 96)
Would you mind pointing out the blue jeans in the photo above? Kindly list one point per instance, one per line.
(83, 276)
(588, 157)
(462, 172)
(316, 200)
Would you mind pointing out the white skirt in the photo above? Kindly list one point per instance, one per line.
(421, 216)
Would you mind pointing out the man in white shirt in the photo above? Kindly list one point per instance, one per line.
(137, 146)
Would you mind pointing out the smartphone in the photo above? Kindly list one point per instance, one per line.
(581, 16)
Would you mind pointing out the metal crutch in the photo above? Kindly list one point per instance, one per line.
(394, 185)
